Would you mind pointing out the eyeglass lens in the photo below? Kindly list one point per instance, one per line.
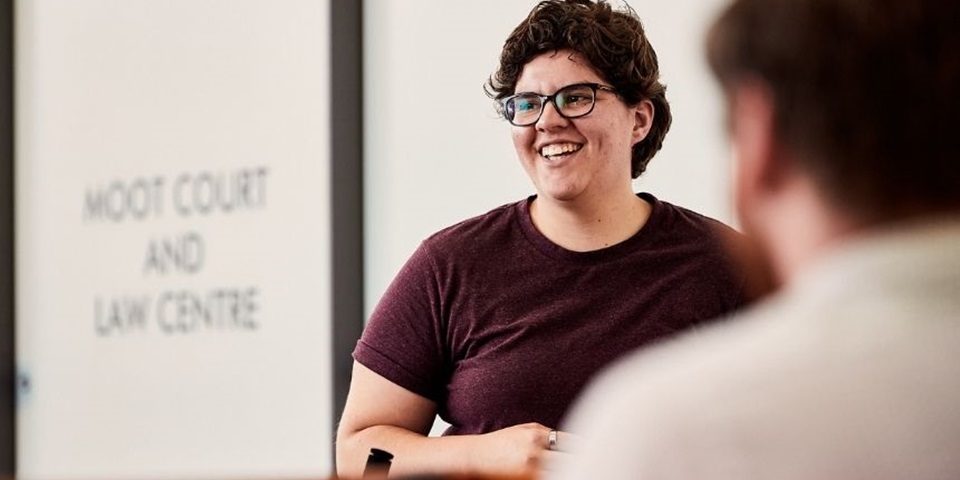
(571, 102)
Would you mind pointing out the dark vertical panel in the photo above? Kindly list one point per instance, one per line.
(347, 176)
(7, 369)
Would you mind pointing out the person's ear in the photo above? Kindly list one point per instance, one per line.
(751, 114)
(642, 120)
(752, 132)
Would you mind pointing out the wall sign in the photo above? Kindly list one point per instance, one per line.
(173, 238)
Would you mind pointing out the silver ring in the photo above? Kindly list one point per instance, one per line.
(552, 440)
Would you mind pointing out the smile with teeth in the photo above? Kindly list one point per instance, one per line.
(558, 149)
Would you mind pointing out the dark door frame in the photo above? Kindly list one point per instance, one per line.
(7, 272)
(346, 104)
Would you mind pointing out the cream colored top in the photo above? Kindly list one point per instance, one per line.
(851, 372)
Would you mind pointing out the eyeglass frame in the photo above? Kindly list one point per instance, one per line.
(544, 99)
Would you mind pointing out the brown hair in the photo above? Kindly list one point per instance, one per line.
(865, 94)
(612, 41)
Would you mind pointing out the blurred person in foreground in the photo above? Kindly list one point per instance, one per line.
(842, 114)
(496, 323)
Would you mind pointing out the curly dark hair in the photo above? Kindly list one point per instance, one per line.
(612, 41)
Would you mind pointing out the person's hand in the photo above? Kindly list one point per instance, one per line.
(564, 444)
(520, 448)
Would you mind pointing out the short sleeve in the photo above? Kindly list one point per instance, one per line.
(403, 341)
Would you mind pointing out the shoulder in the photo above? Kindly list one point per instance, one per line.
(479, 229)
(705, 240)
(683, 220)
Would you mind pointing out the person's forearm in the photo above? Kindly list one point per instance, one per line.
(413, 453)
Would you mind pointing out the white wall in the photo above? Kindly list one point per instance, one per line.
(422, 174)
(136, 99)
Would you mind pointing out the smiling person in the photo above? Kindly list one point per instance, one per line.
(497, 322)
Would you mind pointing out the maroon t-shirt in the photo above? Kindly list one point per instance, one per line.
(500, 326)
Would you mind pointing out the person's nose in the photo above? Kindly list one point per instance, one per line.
(550, 118)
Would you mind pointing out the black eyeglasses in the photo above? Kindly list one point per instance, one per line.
(573, 101)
